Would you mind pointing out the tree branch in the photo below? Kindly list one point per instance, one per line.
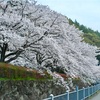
(4, 9)
(46, 58)
(54, 21)
(28, 45)
(16, 55)
(13, 53)
(23, 7)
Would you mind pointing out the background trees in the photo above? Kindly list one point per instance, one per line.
(90, 36)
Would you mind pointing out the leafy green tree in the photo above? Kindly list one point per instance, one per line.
(70, 21)
(77, 24)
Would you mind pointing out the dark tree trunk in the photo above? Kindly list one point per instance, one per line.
(3, 52)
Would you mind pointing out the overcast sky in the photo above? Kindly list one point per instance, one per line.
(86, 12)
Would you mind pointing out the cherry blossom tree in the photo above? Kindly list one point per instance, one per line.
(19, 35)
(28, 31)
(4, 47)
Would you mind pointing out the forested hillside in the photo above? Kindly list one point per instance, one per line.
(90, 36)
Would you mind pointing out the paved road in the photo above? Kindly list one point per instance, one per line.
(95, 97)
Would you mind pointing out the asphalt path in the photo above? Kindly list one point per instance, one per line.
(95, 96)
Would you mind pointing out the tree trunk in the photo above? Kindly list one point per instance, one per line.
(3, 52)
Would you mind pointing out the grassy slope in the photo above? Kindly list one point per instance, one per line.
(8, 71)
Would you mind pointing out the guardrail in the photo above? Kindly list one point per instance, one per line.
(78, 94)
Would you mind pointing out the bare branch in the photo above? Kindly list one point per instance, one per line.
(44, 23)
(28, 45)
(54, 21)
(41, 58)
(11, 3)
(31, 12)
(35, 19)
(16, 24)
(13, 53)
(47, 58)
(22, 11)
(28, 58)
(34, 35)
(4, 9)
(16, 55)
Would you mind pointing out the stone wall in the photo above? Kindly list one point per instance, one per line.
(28, 90)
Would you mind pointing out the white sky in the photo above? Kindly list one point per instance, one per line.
(86, 12)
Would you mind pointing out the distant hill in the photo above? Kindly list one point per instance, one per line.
(90, 36)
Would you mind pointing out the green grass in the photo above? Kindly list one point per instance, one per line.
(11, 72)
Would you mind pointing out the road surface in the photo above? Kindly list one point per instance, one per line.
(95, 97)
